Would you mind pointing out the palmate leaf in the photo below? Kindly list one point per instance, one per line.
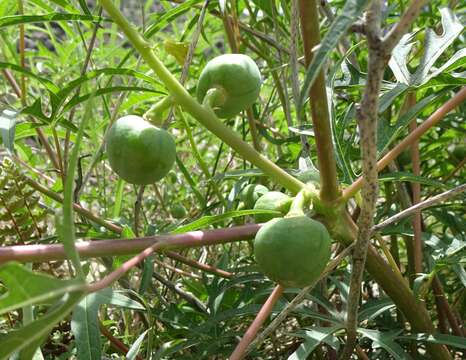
(386, 340)
(434, 46)
(28, 338)
(313, 337)
(26, 287)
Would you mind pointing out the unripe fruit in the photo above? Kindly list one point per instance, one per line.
(273, 200)
(140, 153)
(178, 211)
(292, 251)
(251, 193)
(238, 79)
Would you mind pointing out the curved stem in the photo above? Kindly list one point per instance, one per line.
(205, 116)
(155, 113)
(299, 203)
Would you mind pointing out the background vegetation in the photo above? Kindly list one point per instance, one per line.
(68, 71)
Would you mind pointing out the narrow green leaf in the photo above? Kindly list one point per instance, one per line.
(54, 17)
(26, 287)
(313, 337)
(386, 340)
(65, 225)
(134, 349)
(29, 337)
(85, 326)
(349, 14)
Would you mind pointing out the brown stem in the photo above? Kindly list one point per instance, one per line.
(446, 309)
(116, 343)
(319, 105)
(253, 329)
(416, 191)
(438, 115)
(195, 264)
(78, 208)
(99, 248)
(367, 124)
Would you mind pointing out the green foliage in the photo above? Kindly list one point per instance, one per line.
(20, 214)
(76, 58)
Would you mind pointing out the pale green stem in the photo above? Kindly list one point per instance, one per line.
(155, 113)
(205, 116)
(302, 199)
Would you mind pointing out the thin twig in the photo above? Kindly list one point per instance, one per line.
(419, 206)
(401, 27)
(190, 55)
(137, 209)
(262, 315)
(191, 299)
(297, 300)
(115, 343)
(367, 124)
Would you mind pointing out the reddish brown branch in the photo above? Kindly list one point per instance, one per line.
(98, 248)
(195, 264)
(438, 115)
(253, 329)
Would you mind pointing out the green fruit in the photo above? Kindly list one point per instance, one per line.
(139, 152)
(273, 200)
(251, 193)
(292, 251)
(458, 153)
(238, 78)
(178, 211)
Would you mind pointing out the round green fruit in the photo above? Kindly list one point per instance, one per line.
(292, 251)
(178, 211)
(251, 193)
(140, 153)
(273, 200)
(238, 79)
(458, 153)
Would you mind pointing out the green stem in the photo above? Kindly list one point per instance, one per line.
(301, 200)
(214, 97)
(319, 105)
(205, 116)
(155, 113)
